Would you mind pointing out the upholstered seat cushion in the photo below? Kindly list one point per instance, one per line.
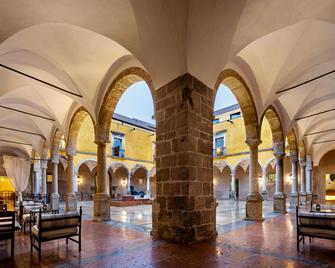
(324, 233)
(26, 218)
(325, 207)
(59, 220)
(319, 219)
(55, 233)
(26, 209)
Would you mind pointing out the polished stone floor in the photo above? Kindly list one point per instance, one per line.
(125, 242)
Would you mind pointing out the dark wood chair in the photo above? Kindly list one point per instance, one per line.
(7, 227)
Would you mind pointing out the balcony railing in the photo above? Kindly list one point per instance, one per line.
(118, 152)
(220, 151)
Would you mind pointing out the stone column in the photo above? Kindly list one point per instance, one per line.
(279, 197)
(185, 208)
(54, 190)
(71, 199)
(44, 166)
(309, 167)
(32, 181)
(302, 182)
(102, 197)
(294, 196)
(148, 193)
(128, 182)
(264, 189)
(233, 186)
(37, 173)
(254, 199)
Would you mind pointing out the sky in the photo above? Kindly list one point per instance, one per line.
(137, 101)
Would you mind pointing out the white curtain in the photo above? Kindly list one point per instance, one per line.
(18, 171)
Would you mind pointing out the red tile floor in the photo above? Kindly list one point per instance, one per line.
(271, 243)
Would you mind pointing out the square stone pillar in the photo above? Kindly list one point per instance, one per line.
(184, 209)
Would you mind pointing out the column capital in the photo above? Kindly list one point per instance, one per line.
(101, 142)
(253, 143)
(279, 155)
(302, 162)
(44, 163)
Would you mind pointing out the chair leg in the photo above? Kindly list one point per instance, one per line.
(303, 239)
(67, 241)
(298, 242)
(12, 248)
(310, 239)
(39, 251)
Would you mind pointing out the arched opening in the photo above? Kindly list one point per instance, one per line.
(119, 180)
(138, 181)
(325, 178)
(271, 123)
(86, 180)
(235, 129)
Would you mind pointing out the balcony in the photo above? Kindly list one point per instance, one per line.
(118, 152)
(219, 151)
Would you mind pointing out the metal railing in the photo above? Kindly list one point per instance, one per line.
(118, 152)
(220, 151)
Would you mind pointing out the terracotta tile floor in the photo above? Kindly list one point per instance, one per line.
(122, 244)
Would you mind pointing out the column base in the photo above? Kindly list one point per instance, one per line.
(279, 202)
(55, 201)
(101, 207)
(265, 195)
(303, 199)
(254, 208)
(294, 200)
(71, 202)
(232, 195)
(184, 226)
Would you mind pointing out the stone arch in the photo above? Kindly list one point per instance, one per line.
(137, 167)
(56, 144)
(302, 150)
(276, 129)
(139, 177)
(87, 183)
(74, 127)
(118, 86)
(152, 172)
(221, 165)
(292, 142)
(118, 179)
(242, 93)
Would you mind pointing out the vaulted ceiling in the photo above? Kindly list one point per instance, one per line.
(80, 46)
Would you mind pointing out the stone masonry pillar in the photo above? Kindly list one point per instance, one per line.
(254, 199)
(294, 196)
(264, 188)
(233, 186)
(101, 198)
(54, 191)
(309, 167)
(185, 208)
(37, 173)
(302, 182)
(279, 197)
(71, 199)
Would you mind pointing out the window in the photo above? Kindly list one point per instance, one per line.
(272, 177)
(235, 115)
(219, 144)
(216, 121)
(117, 144)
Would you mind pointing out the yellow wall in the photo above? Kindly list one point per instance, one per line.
(138, 144)
(5, 184)
(235, 139)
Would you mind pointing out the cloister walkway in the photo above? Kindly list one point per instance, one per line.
(120, 243)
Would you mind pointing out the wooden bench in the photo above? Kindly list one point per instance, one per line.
(24, 213)
(314, 224)
(7, 227)
(56, 226)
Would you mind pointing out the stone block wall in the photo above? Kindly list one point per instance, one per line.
(184, 208)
